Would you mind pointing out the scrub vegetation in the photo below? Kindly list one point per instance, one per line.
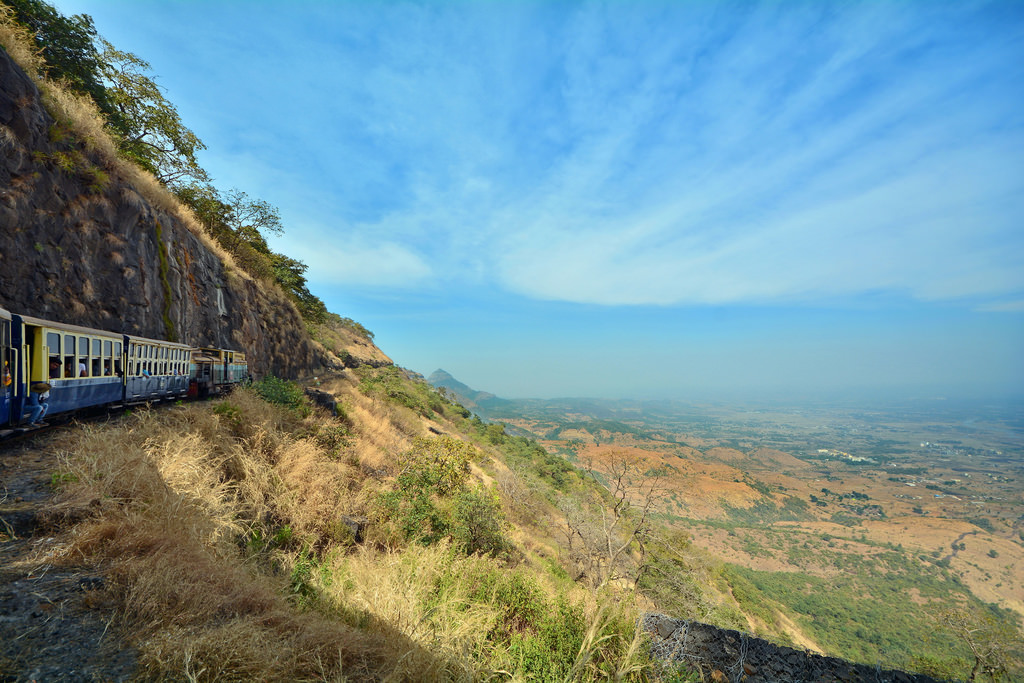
(244, 538)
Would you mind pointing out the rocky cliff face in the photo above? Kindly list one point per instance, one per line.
(80, 244)
(725, 655)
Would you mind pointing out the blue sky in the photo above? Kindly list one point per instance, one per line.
(638, 199)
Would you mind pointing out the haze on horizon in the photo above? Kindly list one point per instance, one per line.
(649, 199)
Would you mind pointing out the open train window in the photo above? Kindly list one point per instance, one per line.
(69, 355)
(82, 369)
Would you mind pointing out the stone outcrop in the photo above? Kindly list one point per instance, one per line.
(725, 655)
(80, 244)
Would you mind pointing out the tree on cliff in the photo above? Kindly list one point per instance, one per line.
(67, 46)
(148, 130)
(146, 127)
(241, 224)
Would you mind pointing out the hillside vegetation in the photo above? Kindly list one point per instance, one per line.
(257, 537)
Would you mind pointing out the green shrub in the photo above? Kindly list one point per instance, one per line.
(332, 438)
(440, 463)
(280, 391)
(431, 500)
(479, 522)
(228, 411)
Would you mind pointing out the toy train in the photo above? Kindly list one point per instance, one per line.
(82, 368)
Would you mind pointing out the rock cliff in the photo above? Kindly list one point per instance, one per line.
(80, 244)
(726, 655)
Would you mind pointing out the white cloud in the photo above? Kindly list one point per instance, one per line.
(1003, 307)
(384, 264)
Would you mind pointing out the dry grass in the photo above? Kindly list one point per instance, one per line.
(172, 493)
(217, 527)
(17, 41)
(444, 635)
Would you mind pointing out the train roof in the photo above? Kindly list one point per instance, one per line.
(67, 327)
(78, 329)
(5, 314)
(161, 342)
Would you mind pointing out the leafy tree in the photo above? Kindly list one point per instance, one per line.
(147, 126)
(288, 273)
(68, 46)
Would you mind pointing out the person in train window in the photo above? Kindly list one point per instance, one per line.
(54, 368)
(82, 370)
(7, 374)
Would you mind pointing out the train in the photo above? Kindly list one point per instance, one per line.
(82, 368)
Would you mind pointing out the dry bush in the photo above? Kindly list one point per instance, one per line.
(17, 42)
(173, 492)
(397, 592)
(317, 491)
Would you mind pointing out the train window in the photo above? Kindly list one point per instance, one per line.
(97, 346)
(97, 367)
(117, 367)
(107, 372)
(53, 341)
(82, 368)
(69, 358)
(107, 348)
(117, 349)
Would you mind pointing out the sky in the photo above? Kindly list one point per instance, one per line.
(630, 199)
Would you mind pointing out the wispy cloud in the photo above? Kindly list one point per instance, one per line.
(691, 154)
(630, 153)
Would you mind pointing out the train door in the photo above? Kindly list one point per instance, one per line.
(7, 373)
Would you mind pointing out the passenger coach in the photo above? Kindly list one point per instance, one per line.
(83, 367)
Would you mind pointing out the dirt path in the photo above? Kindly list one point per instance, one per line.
(56, 623)
(956, 545)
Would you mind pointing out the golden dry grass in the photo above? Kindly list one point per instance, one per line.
(17, 42)
(181, 510)
(170, 496)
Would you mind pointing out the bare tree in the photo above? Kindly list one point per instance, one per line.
(607, 538)
(992, 643)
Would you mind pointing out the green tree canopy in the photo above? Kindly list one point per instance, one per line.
(147, 126)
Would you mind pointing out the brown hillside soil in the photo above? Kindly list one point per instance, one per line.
(800, 638)
(691, 488)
